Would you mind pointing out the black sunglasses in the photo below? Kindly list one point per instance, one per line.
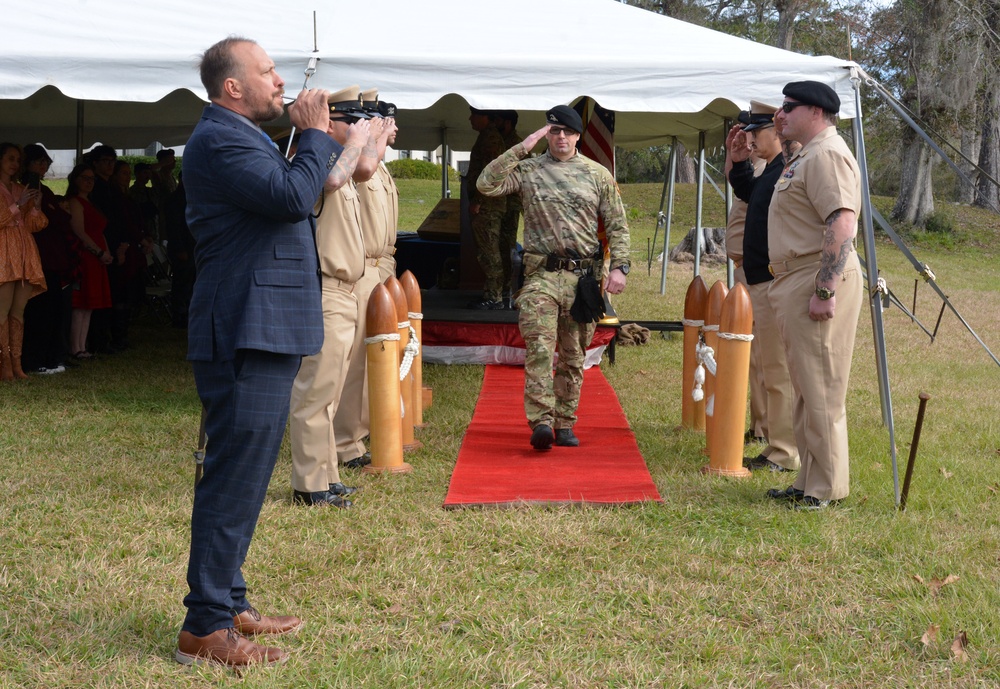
(788, 106)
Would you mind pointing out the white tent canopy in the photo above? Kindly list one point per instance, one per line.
(663, 77)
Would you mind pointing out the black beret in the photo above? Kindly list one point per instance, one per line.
(566, 116)
(813, 93)
(386, 109)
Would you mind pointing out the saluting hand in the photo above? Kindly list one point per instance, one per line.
(358, 133)
(737, 144)
(533, 138)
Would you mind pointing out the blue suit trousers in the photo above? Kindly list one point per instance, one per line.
(246, 401)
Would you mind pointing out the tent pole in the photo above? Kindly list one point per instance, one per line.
(668, 188)
(79, 131)
(698, 208)
(730, 266)
(445, 190)
(874, 295)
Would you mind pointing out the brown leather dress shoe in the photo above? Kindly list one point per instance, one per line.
(251, 622)
(225, 647)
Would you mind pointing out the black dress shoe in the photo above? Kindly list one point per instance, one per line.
(323, 498)
(341, 489)
(811, 504)
(749, 437)
(790, 493)
(760, 463)
(359, 462)
(541, 437)
(565, 438)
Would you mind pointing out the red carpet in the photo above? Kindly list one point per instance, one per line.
(497, 465)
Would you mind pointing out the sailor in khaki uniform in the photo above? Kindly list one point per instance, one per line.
(379, 202)
(817, 290)
(316, 393)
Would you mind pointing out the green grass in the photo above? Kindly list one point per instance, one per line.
(715, 587)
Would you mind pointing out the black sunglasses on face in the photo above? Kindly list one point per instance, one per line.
(788, 106)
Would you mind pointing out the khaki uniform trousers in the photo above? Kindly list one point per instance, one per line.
(317, 390)
(777, 386)
(758, 396)
(819, 364)
(350, 423)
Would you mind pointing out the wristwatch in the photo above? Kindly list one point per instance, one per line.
(623, 267)
(823, 293)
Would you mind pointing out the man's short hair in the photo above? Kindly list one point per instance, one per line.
(164, 153)
(218, 64)
(142, 167)
(100, 151)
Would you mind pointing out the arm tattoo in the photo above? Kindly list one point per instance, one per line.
(832, 265)
(343, 168)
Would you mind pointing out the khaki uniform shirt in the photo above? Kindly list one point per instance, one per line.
(821, 178)
(339, 239)
(379, 213)
(562, 202)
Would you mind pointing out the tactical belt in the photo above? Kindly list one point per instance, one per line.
(554, 263)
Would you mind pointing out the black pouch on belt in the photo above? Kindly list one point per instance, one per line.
(589, 304)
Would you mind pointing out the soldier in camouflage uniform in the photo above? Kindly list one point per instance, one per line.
(506, 121)
(564, 194)
(486, 213)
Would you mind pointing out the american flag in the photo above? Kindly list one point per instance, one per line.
(598, 139)
(598, 143)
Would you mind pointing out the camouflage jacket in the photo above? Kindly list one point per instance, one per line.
(562, 202)
(489, 145)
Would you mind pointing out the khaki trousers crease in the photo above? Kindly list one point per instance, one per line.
(819, 365)
(317, 390)
(350, 422)
(778, 397)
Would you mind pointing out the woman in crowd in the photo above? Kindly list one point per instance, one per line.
(20, 267)
(88, 225)
(47, 316)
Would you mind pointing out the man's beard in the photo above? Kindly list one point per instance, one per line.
(266, 110)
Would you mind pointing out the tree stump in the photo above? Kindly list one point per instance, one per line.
(713, 247)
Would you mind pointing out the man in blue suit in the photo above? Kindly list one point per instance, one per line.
(255, 312)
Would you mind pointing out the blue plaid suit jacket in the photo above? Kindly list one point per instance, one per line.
(258, 283)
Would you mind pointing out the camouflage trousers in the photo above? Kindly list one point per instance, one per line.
(486, 230)
(547, 327)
